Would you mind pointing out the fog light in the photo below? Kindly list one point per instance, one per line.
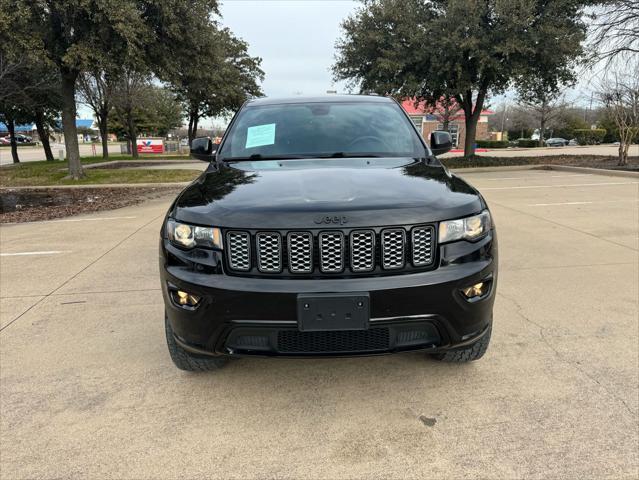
(185, 299)
(477, 290)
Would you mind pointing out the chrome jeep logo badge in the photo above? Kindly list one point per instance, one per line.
(331, 220)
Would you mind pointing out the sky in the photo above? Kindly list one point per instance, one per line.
(294, 38)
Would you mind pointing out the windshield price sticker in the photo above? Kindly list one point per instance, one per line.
(260, 135)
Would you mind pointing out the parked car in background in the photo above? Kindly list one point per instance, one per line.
(556, 142)
(573, 143)
(5, 141)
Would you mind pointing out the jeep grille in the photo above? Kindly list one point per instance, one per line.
(316, 253)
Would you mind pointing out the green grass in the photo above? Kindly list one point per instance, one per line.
(20, 145)
(55, 173)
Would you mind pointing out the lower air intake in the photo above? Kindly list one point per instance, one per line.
(293, 341)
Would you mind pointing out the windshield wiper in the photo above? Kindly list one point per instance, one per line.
(258, 157)
(349, 155)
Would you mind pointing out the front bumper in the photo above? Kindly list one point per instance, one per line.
(257, 316)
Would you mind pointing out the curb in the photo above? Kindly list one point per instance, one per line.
(565, 168)
(593, 171)
(505, 168)
(168, 161)
(103, 185)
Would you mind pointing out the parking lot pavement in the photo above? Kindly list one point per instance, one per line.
(88, 389)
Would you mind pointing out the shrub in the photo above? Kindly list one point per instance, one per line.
(527, 143)
(491, 143)
(20, 144)
(521, 133)
(587, 136)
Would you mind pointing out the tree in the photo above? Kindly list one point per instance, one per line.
(76, 36)
(616, 29)
(130, 90)
(480, 48)
(444, 110)
(619, 93)
(96, 90)
(43, 100)
(215, 77)
(544, 101)
(11, 94)
(11, 115)
(166, 111)
(568, 123)
(155, 112)
(28, 93)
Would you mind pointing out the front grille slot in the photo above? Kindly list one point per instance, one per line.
(422, 241)
(363, 250)
(300, 252)
(331, 245)
(373, 251)
(393, 241)
(269, 252)
(239, 248)
(294, 341)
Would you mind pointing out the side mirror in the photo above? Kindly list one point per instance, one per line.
(440, 142)
(203, 148)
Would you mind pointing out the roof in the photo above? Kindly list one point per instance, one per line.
(30, 127)
(84, 123)
(25, 127)
(423, 109)
(318, 99)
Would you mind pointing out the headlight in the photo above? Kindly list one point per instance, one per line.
(189, 236)
(469, 228)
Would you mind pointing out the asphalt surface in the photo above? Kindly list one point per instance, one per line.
(88, 389)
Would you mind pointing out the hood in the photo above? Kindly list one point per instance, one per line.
(324, 193)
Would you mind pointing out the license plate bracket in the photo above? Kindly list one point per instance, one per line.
(333, 311)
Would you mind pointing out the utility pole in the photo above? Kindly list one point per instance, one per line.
(503, 118)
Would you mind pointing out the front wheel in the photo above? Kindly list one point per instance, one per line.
(188, 361)
(468, 354)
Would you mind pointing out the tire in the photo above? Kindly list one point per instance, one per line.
(188, 361)
(468, 354)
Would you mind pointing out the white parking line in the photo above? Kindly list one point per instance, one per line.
(575, 175)
(50, 252)
(579, 203)
(71, 220)
(521, 187)
(504, 178)
(527, 178)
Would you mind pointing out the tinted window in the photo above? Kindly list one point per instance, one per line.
(322, 129)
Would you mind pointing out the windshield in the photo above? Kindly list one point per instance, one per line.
(304, 130)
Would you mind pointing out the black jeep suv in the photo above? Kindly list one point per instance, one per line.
(326, 227)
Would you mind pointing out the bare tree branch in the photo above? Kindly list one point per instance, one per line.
(615, 30)
(619, 94)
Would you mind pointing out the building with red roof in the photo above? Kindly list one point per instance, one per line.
(427, 119)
